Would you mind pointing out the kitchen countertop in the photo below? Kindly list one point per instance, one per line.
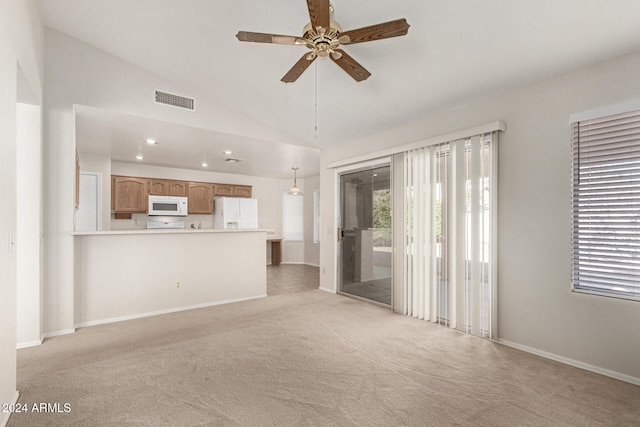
(166, 231)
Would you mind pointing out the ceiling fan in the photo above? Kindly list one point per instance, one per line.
(324, 37)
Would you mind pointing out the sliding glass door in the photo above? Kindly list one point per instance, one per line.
(365, 234)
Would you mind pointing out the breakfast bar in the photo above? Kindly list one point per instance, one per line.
(122, 275)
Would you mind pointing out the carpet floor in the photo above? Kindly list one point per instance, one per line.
(305, 358)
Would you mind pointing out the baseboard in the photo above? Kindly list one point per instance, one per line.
(58, 333)
(292, 263)
(6, 415)
(572, 362)
(331, 291)
(28, 344)
(166, 311)
(312, 265)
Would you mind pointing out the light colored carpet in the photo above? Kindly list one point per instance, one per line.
(305, 358)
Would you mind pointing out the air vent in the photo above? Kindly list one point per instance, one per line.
(232, 160)
(175, 100)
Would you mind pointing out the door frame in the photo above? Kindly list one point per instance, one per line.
(338, 172)
(98, 176)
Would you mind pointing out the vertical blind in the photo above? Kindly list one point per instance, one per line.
(606, 205)
(449, 227)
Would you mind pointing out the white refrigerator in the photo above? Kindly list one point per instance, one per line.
(235, 212)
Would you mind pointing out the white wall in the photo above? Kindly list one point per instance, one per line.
(20, 43)
(78, 73)
(537, 309)
(150, 266)
(311, 250)
(29, 225)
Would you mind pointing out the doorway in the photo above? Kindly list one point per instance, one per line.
(365, 234)
(88, 216)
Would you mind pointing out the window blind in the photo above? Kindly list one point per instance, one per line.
(449, 228)
(293, 217)
(606, 205)
(316, 216)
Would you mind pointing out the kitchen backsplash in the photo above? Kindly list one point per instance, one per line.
(139, 221)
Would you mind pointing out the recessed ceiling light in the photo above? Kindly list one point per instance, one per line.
(375, 174)
(139, 157)
(204, 164)
(228, 152)
(151, 141)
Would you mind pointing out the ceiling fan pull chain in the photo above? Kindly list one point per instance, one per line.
(315, 106)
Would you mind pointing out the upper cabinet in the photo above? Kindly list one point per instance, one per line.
(224, 190)
(200, 196)
(177, 188)
(167, 187)
(158, 187)
(242, 191)
(129, 194)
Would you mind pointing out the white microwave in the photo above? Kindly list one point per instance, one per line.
(167, 206)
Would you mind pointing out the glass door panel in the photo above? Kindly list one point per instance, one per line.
(365, 244)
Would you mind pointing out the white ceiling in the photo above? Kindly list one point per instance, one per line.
(456, 51)
(123, 137)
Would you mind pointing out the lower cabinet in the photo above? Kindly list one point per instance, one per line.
(200, 196)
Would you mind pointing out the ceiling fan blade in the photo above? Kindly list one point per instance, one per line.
(351, 66)
(319, 13)
(297, 70)
(247, 36)
(396, 28)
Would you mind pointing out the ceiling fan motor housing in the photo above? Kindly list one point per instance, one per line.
(323, 41)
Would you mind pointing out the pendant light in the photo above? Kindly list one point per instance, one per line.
(295, 191)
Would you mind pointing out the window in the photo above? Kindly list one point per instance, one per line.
(316, 216)
(606, 205)
(293, 214)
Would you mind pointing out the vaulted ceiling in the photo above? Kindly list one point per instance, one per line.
(456, 51)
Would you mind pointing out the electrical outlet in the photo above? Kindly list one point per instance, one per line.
(178, 285)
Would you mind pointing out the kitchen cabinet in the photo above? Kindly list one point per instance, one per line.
(129, 194)
(158, 187)
(177, 188)
(200, 196)
(241, 191)
(167, 187)
(224, 190)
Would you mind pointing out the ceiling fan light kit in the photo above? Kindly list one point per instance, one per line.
(323, 37)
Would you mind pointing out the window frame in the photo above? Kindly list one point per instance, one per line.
(596, 250)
